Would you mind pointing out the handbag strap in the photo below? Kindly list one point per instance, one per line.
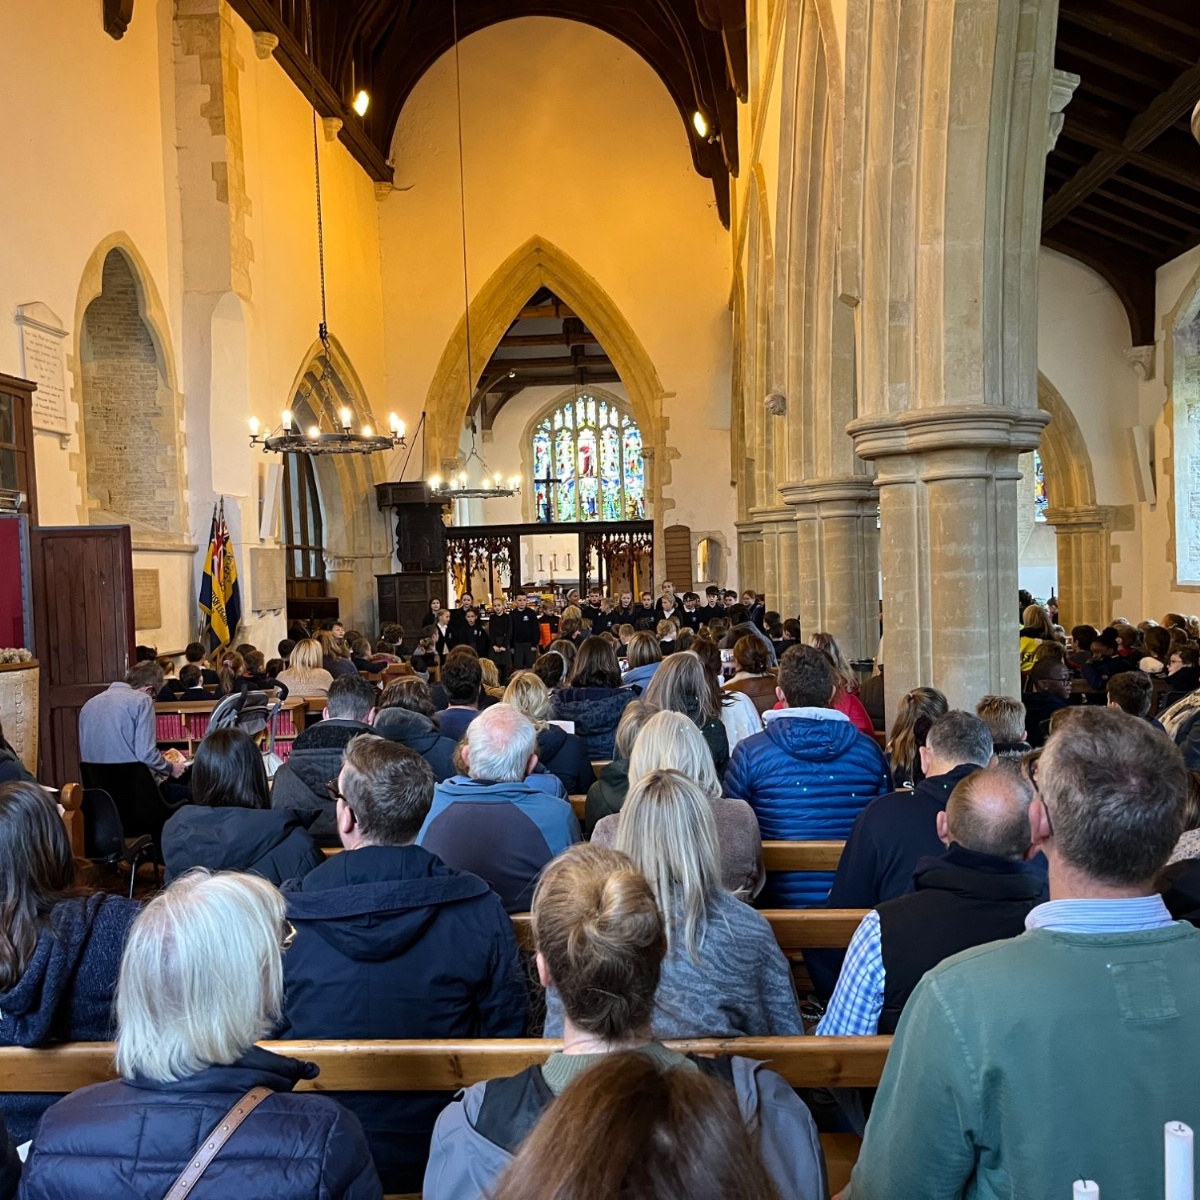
(211, 1147)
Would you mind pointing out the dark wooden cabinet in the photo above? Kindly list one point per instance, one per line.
(420, 525)
(404, 599)
(17, 470)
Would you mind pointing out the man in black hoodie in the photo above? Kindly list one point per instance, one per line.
(392, 943)
(979, 890)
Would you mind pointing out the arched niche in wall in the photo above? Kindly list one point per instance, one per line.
(537, 264)
(1083, 528)
(131, 466)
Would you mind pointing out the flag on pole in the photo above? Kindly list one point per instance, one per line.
(220, 600)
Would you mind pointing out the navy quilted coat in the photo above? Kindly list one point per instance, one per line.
(129, 1141)
(807, 776)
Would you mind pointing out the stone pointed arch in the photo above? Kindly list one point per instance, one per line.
(536, 264)
(1082, 528)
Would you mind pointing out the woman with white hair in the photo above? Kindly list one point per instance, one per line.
(201, 982)
(724, 974)
(668, 741)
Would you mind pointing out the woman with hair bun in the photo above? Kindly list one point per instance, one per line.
(600, 941)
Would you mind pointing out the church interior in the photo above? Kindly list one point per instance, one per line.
(865, 325)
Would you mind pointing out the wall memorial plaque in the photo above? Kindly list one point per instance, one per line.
(42, 335)
(269, 588)
(147, 600)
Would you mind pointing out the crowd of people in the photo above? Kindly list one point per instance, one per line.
(1029, 871)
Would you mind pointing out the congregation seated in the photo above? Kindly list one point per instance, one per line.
(254, 676)
(808, 774)
(1106, 660)
(644, 655)
(1183, 669)
(393, 943)
(1049, 693)
(405, 715)
(607, 794)
(1132, 692)
(230, 824)
(895, 831)
(668, 741)
(737, 711)
(61, 949)
(335, 654)
(493, 821)
(1005, 718)
(754, 677)
(552, 668)
(979, 890)
(683, 685)
(1005, 1067)
(915, 715)
(195, 654)
(316, 757)
(562, 754)
(845, 697)
(118, 725)
(462, 679)
(1179, 881)
(601, 940)
(201, 982)
(305, 676)
(190, 677)
(594, 698)
(724, 974)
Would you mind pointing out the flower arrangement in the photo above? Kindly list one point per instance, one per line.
(14, 654)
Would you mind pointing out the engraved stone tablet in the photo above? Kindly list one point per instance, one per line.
(147, 600)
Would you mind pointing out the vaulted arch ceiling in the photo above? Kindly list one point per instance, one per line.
(696, 47)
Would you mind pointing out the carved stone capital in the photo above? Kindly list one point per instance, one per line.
(333, 126)
(1081, 518)
(1062, 88)
(971, 429)
(265, 43)
(1141, 361)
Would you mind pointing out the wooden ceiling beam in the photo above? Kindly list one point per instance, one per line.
(1145, 229)
(1114, 197)
(1163, 46)
(1103, 228)
(515, 364)
(1179, 98)
(1146, 189)
(545, 312)
(1152, 10)
(1140, 73)
(519, 341)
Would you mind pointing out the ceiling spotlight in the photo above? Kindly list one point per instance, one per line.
(512, 374)
(700, 123)
(361, 102)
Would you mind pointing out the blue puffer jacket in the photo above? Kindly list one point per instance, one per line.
(807, 776)
(132, 1139)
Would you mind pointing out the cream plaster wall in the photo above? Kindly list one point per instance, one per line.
(540, 96)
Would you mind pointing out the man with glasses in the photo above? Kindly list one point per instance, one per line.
(1024, 1065)
(392, 943)
(1049, 692)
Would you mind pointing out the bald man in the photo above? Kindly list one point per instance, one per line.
(980, 890)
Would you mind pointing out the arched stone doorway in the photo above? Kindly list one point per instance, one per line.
(537, 264)
(1083, 528)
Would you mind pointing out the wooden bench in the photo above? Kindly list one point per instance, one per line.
(185, 722)
(449, 1065)
(70, 797)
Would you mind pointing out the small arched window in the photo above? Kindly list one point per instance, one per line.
(587, 463)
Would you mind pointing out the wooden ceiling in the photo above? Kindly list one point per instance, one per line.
(697, 48)
(547, 345)
(1122, 189)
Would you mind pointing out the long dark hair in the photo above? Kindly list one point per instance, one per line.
(229, 772)
(231, 668)
(641, 1133)
(596, 665)
(37, 871)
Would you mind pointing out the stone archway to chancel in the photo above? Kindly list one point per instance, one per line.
(540, 264)
(358, 542)
(1083, 528)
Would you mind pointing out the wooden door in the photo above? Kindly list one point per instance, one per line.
(82, 584)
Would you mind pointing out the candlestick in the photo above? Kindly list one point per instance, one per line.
(254, 427)
(1179, 1160)
(1085, 1189)
(287, 420)
(347, 418)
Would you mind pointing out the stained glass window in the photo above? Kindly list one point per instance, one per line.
(587, 464)
(1041, 499)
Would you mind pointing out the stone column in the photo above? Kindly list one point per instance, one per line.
(750, 557)
(947, 482)
(780, 572)
(837, 522)
(351, 579)
(1084, 544)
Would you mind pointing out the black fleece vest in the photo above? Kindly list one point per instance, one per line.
(954, 908)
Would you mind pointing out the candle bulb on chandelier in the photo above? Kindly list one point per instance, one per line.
(314, 432)
(366, 431)
(254, 427)
(396, 425)
(347, 419)
(287, 420)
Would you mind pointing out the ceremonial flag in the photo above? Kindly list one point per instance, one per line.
(220, 600)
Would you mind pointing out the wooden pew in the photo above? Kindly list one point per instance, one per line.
(795, 929)
(71, 798)
(450, 1065)
(802, 856)
(194, 716)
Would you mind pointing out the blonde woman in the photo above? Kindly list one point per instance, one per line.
(561, 753)
(669, 741)
(305, 675)
(491, 682)
(724, 974)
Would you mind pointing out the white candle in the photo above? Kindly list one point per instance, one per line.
(1179, 1161)
(1085, 1189)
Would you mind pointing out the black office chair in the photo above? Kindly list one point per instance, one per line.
(134, 790)
(104, 837)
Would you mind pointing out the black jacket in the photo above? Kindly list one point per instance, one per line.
(523, 623)
(392, 943)
(1039, 708)
(315, 759)
(499, 631)
(607, 795)
(1179, 884)
(889, 837)
(420, 734)
(474, 636)
(962, 899)
(65, 993)
(565, 755)
(274, 842)
(132, 1139)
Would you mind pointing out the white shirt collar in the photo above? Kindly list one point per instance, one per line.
(1101, 916)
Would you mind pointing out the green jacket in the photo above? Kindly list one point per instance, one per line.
(1024, 1065)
